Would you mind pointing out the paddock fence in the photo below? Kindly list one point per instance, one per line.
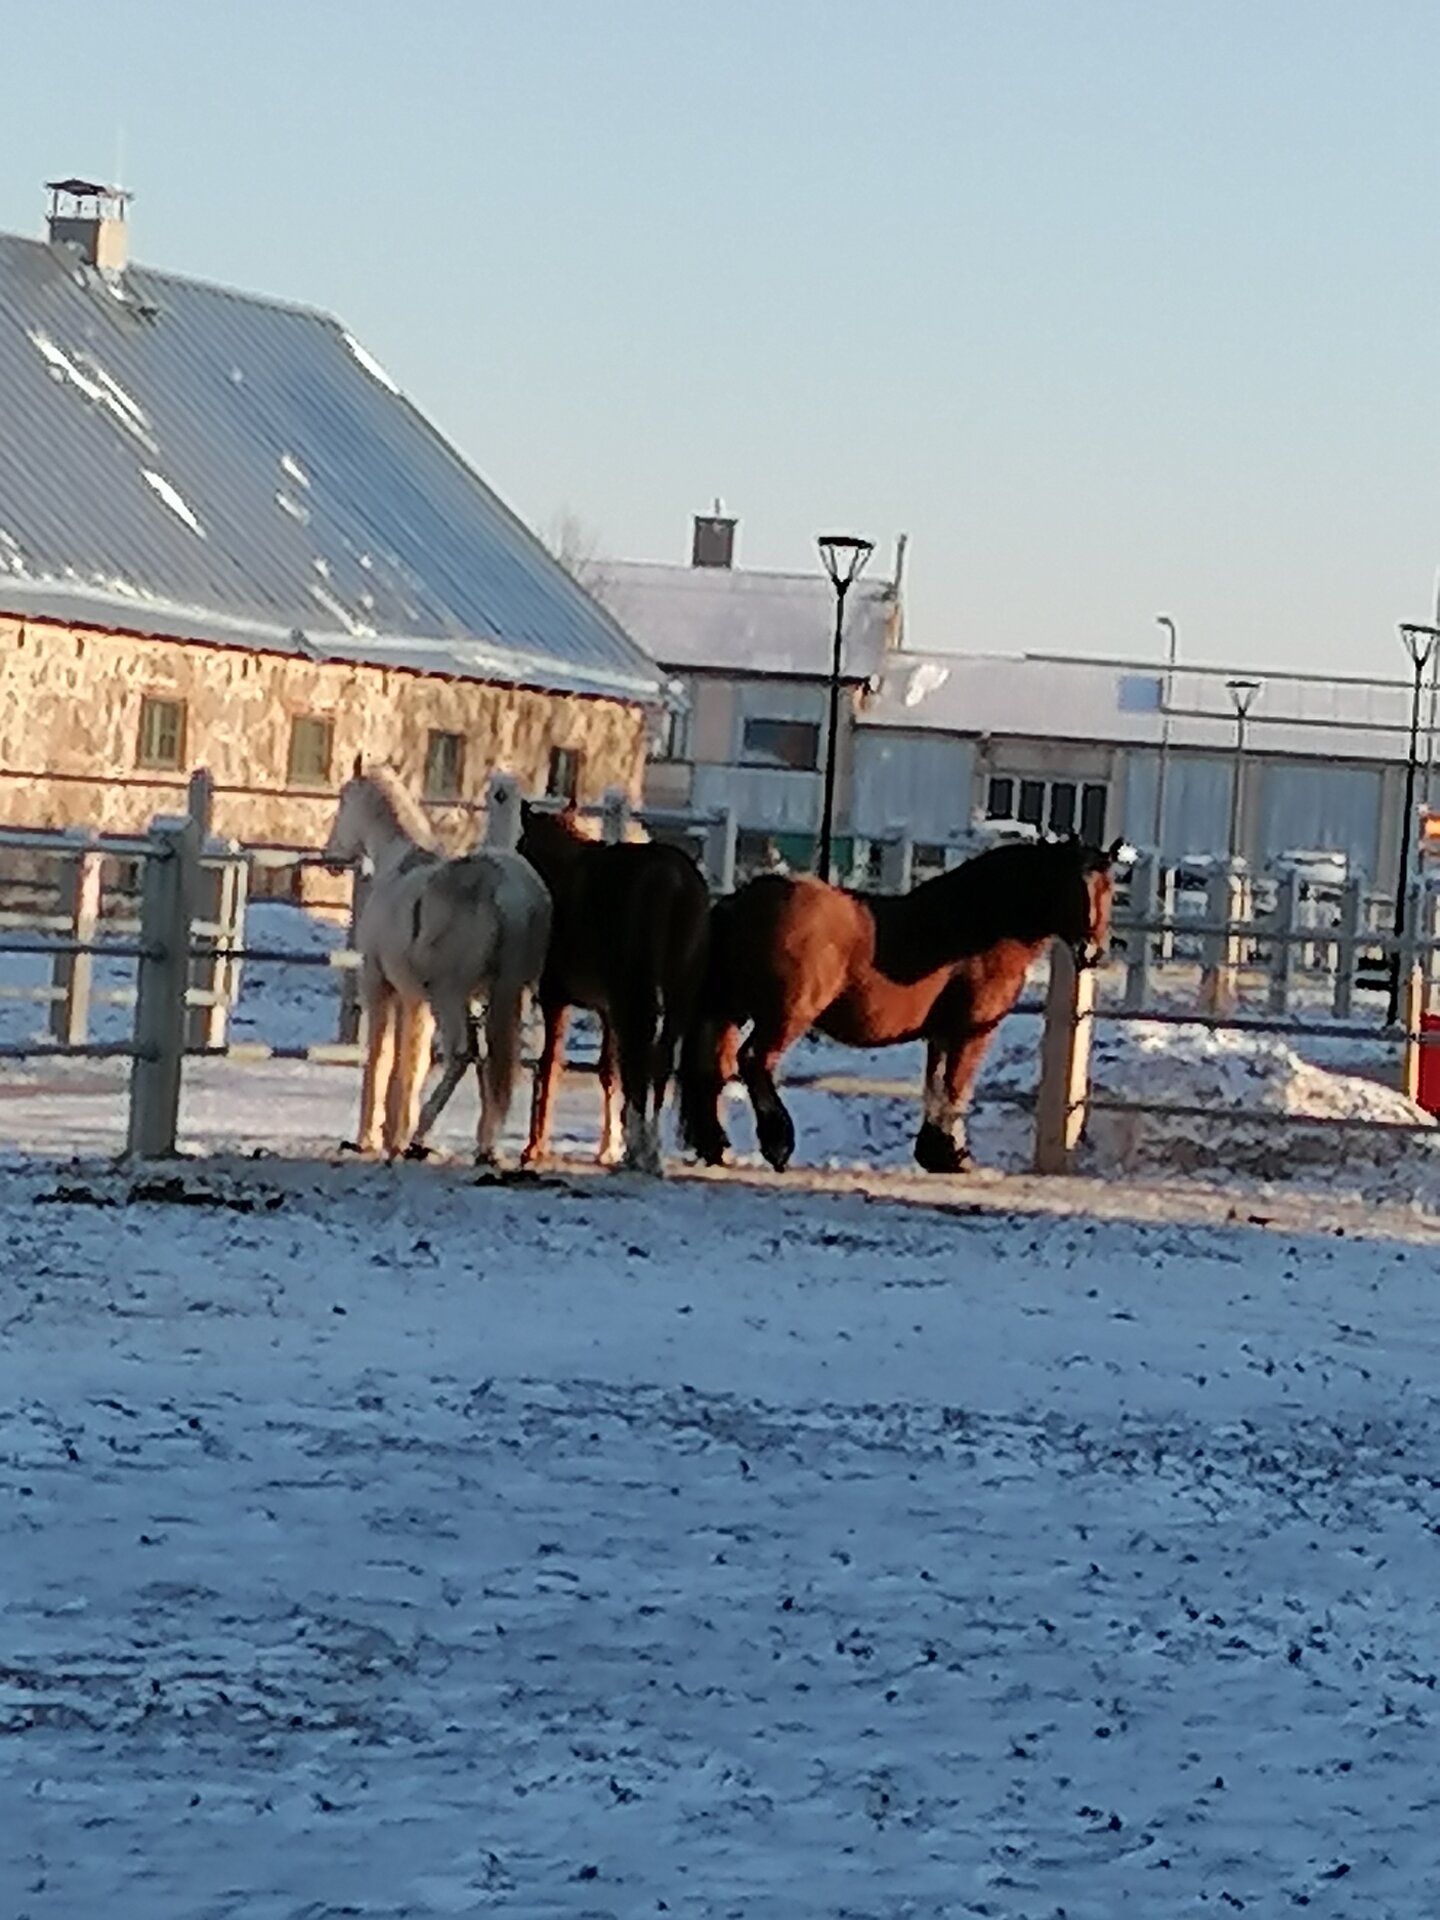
(170, 905)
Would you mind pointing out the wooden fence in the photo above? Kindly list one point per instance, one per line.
(187, 943)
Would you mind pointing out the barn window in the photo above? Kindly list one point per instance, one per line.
(312, 745)
(444, 766)
(161, 741)
(1000, 799)
(562, 780)
(783, 743)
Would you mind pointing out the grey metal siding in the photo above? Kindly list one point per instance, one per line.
(921, 782)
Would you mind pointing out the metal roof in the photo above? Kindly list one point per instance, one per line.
(179, 459)
(737, 621)
(1033, 696)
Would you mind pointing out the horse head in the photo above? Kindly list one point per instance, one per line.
(507, 813)
(1088, 899)
(346, 841)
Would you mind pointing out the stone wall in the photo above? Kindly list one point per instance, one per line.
(70, 704)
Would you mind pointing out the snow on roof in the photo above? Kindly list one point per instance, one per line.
(737, 620)
(180, 459)
(1050, 697)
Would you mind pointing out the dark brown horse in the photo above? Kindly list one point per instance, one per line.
(944, 963)
(628, 941)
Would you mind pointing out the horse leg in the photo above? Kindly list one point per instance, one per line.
(382, 1009)
(612, 1139)
(941, 1145)
(709, 1056)
(758, 1059)
(542, 1092)
(457, 1049)
(636, 1015)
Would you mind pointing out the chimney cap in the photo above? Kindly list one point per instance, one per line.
(89, 189)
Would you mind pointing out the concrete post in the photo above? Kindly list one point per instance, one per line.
(720, 838)
(1283, 952)
(897, 861)
(1347, 946)
(614, 816)
(165, 898)
(1412, 1012)
(1144, 906)
(1060, 1103)
(1224, 905)
(73, 974)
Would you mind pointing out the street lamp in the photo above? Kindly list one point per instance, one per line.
(844, 558)
(1166, 697)
(1420, 644)
(1243, 694)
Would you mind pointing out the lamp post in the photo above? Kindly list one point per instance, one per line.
(844, 556)
(1172, 653)
(1419, 642)
(1243, 694)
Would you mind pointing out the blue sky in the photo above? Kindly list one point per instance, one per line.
(1116, 307)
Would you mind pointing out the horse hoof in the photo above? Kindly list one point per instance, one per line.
(777, 1142)
(937, 1152)
(417, 1150)
(487, 1157)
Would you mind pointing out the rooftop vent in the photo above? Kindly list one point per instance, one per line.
(91, 218)
(713, 544)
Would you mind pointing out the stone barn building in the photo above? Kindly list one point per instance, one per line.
(228, 540)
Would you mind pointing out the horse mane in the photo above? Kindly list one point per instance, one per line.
(1004, 893)
(404, 809)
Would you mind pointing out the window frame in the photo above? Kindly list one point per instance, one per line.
(557, 788)
(295, 776)
(431, 787)
(152, 704)
(756, 756)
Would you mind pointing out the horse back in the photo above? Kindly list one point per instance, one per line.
(626, 915)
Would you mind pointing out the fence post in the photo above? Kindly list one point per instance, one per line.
(1144, 904)
(1283, 950)
(1169, 893)
(897, 861)
(1413, 1008)
(349, 1029)
(165, 899)
(1347, 945)
(1224, 898)
(1060, 1101)
(73, 974)
(219, 911)
(720, 838)
(614, 815)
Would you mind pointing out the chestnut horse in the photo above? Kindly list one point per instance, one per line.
(628, 941)
(944, 963)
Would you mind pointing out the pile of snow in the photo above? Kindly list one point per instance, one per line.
(1240, 1089)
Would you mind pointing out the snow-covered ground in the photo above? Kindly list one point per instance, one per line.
(379, 1544)
(374, 1542)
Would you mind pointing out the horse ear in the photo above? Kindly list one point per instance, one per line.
(358, 767)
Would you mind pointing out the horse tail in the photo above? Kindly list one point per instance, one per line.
(679, 955)
(522, 939)
(701, 1078)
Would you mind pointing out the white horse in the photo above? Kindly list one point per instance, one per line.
(433, 935)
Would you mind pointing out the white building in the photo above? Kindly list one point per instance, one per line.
(752, 652)
(1071, 743)
(931, 742)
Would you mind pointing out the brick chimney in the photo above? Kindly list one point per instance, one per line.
(713, 542)
(91, 218)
